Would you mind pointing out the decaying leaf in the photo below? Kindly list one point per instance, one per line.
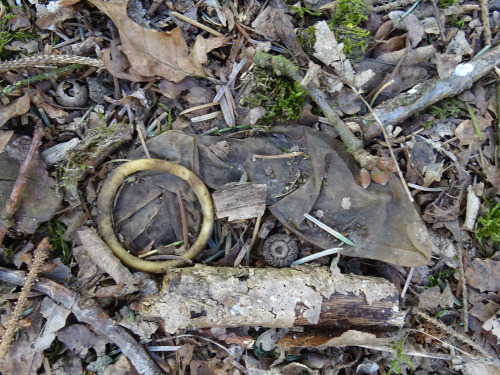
(275, 24)
(23, 357)
(408, 22)
(432, 298)
(40, 200)
(330, 52)
(80, 339)
(484, 274)
(154, 53)
(16, 108)
(493, 325)
(56, 319)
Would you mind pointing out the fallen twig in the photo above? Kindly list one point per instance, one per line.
(11, 205)
(396, 110)
(88, 311)
(485, 19)
(39, 256)
(452, 332)
(282, 66)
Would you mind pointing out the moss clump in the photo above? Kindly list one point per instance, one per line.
(302, 11)
(7, 36)
(488, 226)
(443, 110)
(345, 23)
(56, 230)
(447, 3)
(307, 39)
(282, 97)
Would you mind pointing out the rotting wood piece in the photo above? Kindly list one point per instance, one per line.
(240, 201)
(203, 296)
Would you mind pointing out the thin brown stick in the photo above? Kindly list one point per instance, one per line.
(11, 206)
(39, 256)
(452, 332)
(143, 142)
(184, 223)
(485, 19)
(88, 311)
(461, 273)
(438, 19)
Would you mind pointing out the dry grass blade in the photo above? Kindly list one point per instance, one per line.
(195, 23)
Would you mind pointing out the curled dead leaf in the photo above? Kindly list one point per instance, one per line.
(18, 107)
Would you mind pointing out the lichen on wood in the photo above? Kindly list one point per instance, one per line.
(204, 296)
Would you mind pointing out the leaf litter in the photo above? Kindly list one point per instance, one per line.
(164, 65)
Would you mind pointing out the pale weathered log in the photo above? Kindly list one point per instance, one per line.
(201, 297)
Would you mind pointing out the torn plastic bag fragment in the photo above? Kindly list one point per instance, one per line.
(380, 220)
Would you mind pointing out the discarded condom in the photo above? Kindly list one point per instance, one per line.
(280, 250)
(105, 207)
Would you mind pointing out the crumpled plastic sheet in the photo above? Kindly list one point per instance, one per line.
(380, 220)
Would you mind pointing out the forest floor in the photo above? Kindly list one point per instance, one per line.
(250, 187)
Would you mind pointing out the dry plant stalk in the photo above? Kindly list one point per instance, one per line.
(485, 19)
(10, 207)
(452, 332)
(39, 256)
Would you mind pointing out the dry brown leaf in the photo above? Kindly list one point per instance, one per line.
(467, 135)
(484, 274)
(18, 107)
(118, 65)
(433, 297)
(411, 23)
(154, 53)
(493, 176)
(5, 136)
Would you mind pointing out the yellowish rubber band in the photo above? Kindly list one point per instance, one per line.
(105, 203)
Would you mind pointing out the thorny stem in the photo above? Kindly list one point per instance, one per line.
(11, 205)
(39, 256)
(282, 66)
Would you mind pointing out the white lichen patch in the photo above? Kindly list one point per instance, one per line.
(463, 70)
(375, 290)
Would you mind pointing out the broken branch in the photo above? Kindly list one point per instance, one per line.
(270, 297)
(88, 311)
(395, 110)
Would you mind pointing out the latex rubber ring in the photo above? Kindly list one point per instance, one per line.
(105, 203)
